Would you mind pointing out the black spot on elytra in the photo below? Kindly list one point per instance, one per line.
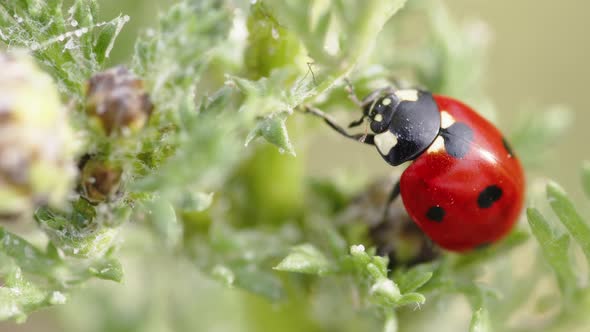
(507, 147)
(435, 213)
(458, 139)
(489, 196)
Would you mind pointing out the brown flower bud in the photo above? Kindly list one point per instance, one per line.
(100, 180)
(118, 100)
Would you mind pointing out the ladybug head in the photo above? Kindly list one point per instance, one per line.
(379, 108)
(405, 122)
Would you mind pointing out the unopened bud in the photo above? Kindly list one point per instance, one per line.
(118, 100)
(100, 180)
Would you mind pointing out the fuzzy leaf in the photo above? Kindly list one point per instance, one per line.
(76, 234)
(514, 239)
(305, 258)
(258, 282)
(106, 36)
(273, 129)
(569, 217)
(270, 45)
(29, 258)
(537, 131)
(414, 278)
(32, 260)
(358, 22)
(162, 217)
(555, 248)
(72, 47)
(204, 154)
(107, 269)
(197, 201)
(18, 297)
(223, 274)
(411, 298)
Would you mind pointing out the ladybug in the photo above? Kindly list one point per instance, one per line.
(464, 186)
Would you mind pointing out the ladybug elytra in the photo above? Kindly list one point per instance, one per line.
(464, 186)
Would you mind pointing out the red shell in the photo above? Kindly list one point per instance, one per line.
(438, 180)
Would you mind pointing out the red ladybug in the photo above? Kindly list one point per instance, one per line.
(464, 187)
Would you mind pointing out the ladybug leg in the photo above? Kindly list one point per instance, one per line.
(363, 138)
(392, 196)
(384, 225)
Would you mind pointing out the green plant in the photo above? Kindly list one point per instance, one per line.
(195, 180)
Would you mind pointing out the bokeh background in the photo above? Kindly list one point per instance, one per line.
(537, 57)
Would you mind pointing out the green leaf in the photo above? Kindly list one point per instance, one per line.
(106, 36)
(411, 298)
(71, 45)
(29, 258)
(414, 278)
(258, 282)
(555, 249)
(49, 265)
(537, 131)
(307, 259)
(76, 234)
(498, 250)
(480, 321)
(205, 152)
(586, 177)
(269, 45)
(223, 274)
(273, 129)
(18, 297)
(107, 269)
(162, 217)
(197, 201)
(188, 37)
(569, 217)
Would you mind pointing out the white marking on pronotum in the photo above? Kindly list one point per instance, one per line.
(378, 118)
(407, 95)
(385, 142)
(437, 146)
(446, 120)
(386, 101)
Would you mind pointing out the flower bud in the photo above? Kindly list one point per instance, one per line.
(36, 151)
(100, 180)
(117, 99)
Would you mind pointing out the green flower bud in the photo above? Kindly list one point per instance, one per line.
(117, 99)
(36, 144)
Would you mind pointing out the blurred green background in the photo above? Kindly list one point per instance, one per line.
(537, 57)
